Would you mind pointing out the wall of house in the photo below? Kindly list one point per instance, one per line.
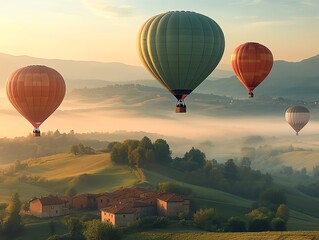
(122, 220)
(79, 202)
(91, 203)
(108, 217)
(161, 207)
(174, 208)
(36, 208)
(103, 201)
(186, 207)
(52, 210)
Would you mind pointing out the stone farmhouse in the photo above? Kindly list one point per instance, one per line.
(131, 204)
(120, 207)
(49, 206)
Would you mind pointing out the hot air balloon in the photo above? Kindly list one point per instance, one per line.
(251, 63)
(180, 49)
(297, 117)
(36, 92)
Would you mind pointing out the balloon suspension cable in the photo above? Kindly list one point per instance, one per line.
(180, 106)
(36, 132)
(250, 94)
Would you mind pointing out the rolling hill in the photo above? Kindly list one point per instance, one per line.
(294, 80)
(90, 74)
(96, 173)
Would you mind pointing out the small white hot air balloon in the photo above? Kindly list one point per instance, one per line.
(297, 117)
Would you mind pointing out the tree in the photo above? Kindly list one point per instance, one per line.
(283, 212)
(230, 170)
(137, 157)
(74, 149)
(75, 227)
(245, 162)
(146, 143)
(272, 198)
(259, 225)
(97, 230)
(278, 224)
(11, 225)
(162, 151)
(235, 224)
(119, 153)
(207, 219)
(260, 219)
(195, 158)
(261, 213)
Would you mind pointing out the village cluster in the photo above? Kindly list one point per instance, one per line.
(121, 207)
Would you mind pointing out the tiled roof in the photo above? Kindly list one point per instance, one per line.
(170, 197)
(86, 195)
(119, 209)
(50, 200)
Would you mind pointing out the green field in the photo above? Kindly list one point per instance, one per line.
(88, 173)
(225, 236)
(96, 173)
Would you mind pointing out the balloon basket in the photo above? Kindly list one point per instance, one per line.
(250, 95)
(180, 109)
(36, 133)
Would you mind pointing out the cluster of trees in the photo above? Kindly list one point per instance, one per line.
(140, 153)
(271, 215)
(11, 224)
(87, 230)
(80, 149)
(49, 143)
(233, 177)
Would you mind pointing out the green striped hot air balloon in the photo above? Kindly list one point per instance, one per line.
(180, 49)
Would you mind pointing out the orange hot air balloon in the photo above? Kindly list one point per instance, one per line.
(36, 92)
(251, 63)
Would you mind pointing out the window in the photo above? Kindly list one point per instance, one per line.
(101, 200)
(123, 216)
(56, 211)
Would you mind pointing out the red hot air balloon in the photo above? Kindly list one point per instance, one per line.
(251, 63)
(36, 92)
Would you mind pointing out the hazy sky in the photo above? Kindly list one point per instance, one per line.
(105, 30)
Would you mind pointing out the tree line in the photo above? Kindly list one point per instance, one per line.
(51, 142)
(235, 177)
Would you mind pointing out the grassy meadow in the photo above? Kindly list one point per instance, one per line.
(87, 173)
(298, 235)
(96, 173)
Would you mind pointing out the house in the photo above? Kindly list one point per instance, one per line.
(103, 200)
(128, 205)
(126, 212)
(85, 201)
(172, 205)
(49, 206)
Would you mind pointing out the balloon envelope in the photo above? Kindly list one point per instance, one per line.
(36, 92)
(180, 49)
(251, 63)
(297, 117)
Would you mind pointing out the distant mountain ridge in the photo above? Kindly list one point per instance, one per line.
(90, 74)
(295, 80)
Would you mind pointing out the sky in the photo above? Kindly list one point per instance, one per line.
(106, 30)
